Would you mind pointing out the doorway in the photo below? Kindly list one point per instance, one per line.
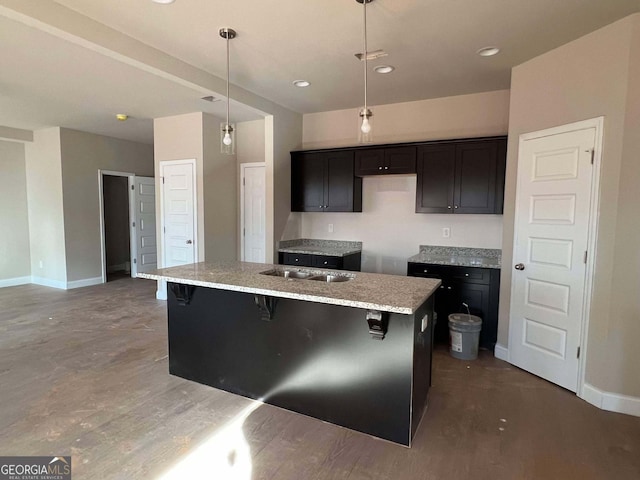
(554, 251)
(117, 245)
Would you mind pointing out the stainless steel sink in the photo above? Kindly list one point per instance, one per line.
(288, 273)
(329, 278)
(308, 275)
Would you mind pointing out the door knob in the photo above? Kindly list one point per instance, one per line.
(519, 266)
(189, 242)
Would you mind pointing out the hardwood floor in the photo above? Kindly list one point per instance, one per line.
(84, 373)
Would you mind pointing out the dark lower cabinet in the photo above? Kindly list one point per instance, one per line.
(477, 287)
(348, 262)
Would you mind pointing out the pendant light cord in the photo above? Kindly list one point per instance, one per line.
(228, 34)
(364, 3)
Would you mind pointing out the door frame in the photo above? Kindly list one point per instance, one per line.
(103, 248)
(243, 167)
(594, 215)
(196, 243)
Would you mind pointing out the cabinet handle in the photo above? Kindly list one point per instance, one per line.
(449, 207)
(441, 286)
(466, 274)
(326, 263)
(456, 206)
(320, 206)
(448, 288)
(386, 168)
(379, 168)
(425, 270)
(297, 260)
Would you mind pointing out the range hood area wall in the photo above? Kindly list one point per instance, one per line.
(390, 229)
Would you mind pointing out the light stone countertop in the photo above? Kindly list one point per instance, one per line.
(458, 256)
(372, 291)
(332, 248)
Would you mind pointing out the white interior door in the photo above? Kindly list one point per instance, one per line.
(144, 250)
(253, 213)
(179, 246)
(550, 253)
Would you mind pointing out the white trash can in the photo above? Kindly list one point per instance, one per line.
(464, 335)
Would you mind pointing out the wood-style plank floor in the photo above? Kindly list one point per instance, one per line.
(84, 373)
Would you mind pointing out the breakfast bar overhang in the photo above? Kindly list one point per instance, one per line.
(352, 349)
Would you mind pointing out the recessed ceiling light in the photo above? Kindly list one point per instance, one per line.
(301, 83)
(384, 69)
(163, 2)
(488, 51)
(122, 117)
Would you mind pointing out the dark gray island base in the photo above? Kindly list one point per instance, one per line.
(318, 359)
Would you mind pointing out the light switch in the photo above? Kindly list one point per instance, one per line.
(446, 232)
(331, 228)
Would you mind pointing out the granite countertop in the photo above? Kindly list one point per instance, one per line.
(459, 256)
(373, 291)
(332, 248)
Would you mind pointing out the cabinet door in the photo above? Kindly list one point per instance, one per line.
(400, 160)
(436, 172)
(475, 184)
(307, 182)
(369, 162)
(339, 185)
(327, 261)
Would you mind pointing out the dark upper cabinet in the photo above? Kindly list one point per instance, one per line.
(461, 177)
(383, 161)
(325, 182)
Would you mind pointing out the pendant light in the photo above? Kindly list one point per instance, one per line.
(227, 140)
(364, 133)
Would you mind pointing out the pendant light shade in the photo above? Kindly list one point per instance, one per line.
(365, 134)
(227, 134)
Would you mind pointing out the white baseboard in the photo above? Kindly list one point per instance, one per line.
(85, 282)
(501, 352)
(612, 402)
(12, 282)
(47, 282)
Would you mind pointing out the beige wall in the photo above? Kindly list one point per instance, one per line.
(220, 195)
(284, 134)
(389, 228)
(83, 154)
(46, 219)
(584, 79)
(197, 136)
(475, 115)
(250, 138)
(15, 260)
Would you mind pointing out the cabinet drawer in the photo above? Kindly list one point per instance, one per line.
(471, 274)
(449, 273)
(301, 259)
(327, 261)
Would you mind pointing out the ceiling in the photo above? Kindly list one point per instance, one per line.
(47, 80)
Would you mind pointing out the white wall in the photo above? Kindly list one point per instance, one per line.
(15, 260)
(83, 154)
(389, 228)
(598, 74)
(45, 206)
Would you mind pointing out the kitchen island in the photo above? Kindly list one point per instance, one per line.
(349, 348)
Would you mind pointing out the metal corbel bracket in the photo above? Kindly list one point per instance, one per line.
(183, 293)
(267, 306)
(378, 323)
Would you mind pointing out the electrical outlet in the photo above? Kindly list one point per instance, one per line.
(446, 232)
(331, 228)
